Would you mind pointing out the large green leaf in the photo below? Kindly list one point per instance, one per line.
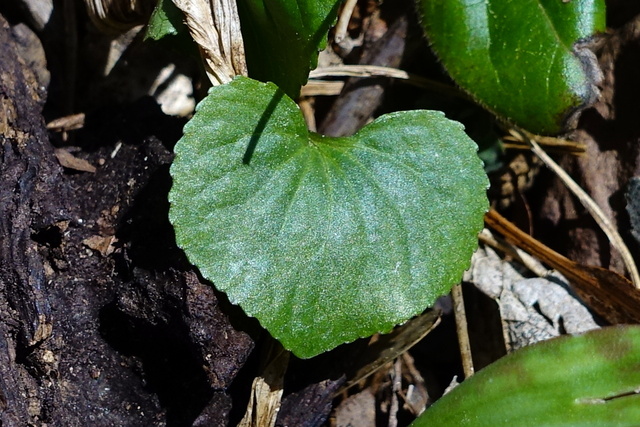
(587, 380)
(517, 57)
(324, 240)
(282, 38)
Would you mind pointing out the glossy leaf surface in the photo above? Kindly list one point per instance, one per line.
(282, 38)
(324, 240)
(517, 57)
(586, 380)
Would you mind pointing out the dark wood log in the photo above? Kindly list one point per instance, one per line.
(30, 200)
(102, 320)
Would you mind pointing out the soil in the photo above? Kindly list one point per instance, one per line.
(104, 322)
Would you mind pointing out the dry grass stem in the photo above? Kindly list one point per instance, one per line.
(379, 71)
(552, 144)
(462, 331)
(382, 349)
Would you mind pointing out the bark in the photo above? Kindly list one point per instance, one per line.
(28, 176)
(102, 320)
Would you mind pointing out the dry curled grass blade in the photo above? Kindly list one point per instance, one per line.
(118, 16)
(267, 388)
(215, 26)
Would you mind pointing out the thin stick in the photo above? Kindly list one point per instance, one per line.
(321, 88)
(359, 71)
(396, 388)
(343, 20)
(462, 331)
(601, 219)
(380, 71)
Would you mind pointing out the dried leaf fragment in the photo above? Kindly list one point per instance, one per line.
(384, 348)
(531, 309)
(69, 161)
(267, 389)
(67, 123)
(102, 244)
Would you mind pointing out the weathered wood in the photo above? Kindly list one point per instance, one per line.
(119, 334)
(27, 171)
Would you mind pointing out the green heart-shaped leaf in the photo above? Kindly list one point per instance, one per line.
(517, 57)
(324, 240)
(282, 38)
(587, 380)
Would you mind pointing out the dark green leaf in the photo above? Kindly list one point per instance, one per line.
(587, 380)
(166, 20)
(282, 38)
(518, 58)
(324, 240)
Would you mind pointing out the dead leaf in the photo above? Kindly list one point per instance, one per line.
(102, 244)
(633, 206)
(532, 309)
(609, 294)
(358, 410)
